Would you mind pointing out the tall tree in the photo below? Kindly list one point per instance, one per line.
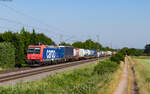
(33, 37)
(78, 44)
(25, 39)
(89, 44)
(65, 44)
(1, 38)
(19, 50)
(147, 49)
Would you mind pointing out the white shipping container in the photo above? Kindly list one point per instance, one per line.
(103, 53)
(98, 54)
(74, 52)
(114, 53)
(87, 52)
(81, 52)
(109, 53)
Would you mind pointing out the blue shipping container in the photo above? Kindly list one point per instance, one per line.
(93, 53)
(51, 54)
(66, 52)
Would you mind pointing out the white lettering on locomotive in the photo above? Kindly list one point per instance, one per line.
(51, 54)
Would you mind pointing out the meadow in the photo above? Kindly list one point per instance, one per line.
(142, 73)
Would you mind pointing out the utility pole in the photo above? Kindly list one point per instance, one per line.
(111, 44)
(97, 36)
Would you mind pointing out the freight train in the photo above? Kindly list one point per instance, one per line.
(38, 55)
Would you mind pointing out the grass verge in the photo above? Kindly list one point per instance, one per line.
(83, 80)
(114, 80)
(142, 73)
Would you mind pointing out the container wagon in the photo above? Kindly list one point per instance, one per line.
(66, 53)
(51, 55)
(81, 54)
(76, 54)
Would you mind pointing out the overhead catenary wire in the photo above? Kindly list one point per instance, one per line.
(24, 25)
(20, 23)
(29, 16)
(32, 18)
(5, 27)
(30, 26)
(10, 29)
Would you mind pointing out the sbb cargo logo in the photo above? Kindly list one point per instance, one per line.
(51, 54)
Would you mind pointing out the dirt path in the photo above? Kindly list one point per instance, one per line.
(123, 85)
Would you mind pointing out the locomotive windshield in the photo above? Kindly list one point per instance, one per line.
(34, 50)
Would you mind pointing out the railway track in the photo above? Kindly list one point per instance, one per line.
(5, 78)
(29, 68)
(14, 70)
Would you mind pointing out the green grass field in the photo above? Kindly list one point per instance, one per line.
(145, 63)
(142, 72)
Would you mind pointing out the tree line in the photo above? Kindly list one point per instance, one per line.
(132, 51)
(137, 52)
(20, 42)
(88, 44)
(16, 44)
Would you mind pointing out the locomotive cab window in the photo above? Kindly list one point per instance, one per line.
(34, 50)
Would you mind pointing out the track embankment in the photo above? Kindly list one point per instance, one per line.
(38, 73)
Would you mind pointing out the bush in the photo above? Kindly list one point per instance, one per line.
(7, 55)
(115, 59)
(105, 67)
(118, 57)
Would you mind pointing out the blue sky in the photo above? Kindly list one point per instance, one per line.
(117, 22)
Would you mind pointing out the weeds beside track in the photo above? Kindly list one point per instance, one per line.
(41, 70)
(82, 80)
